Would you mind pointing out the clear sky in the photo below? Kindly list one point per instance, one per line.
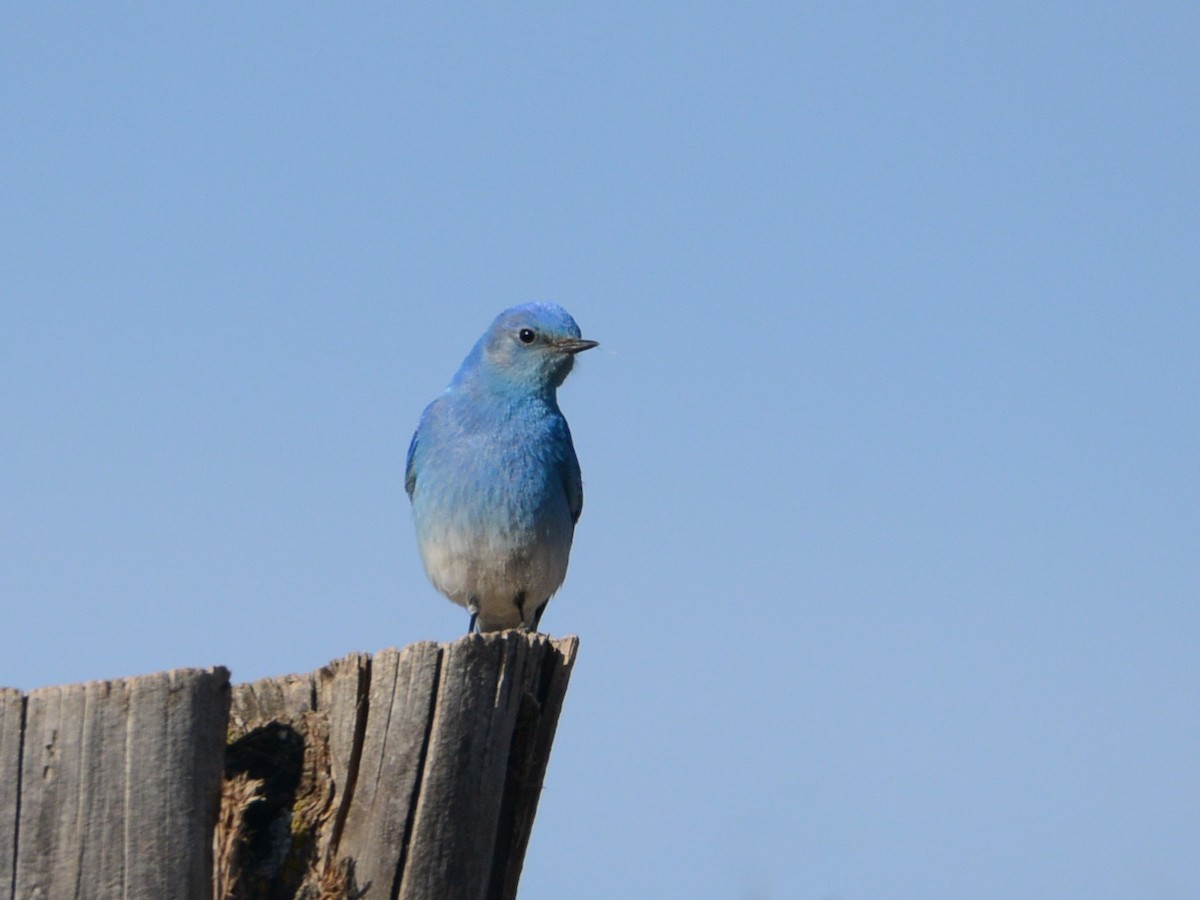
(888, 576)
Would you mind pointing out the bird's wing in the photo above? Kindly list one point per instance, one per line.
(572, 479)
(410, 471)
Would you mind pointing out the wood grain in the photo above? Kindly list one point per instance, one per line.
(415, 774)
(12, 721)
(119, 787)
(418, 771)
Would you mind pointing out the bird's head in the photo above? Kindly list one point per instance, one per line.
(531, 346)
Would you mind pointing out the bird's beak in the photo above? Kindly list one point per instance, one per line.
(576, 345)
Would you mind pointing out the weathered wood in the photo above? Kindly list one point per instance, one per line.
(119, 787)
(414, 775)
(293, 741)
(537, 722)
(379, 823)
(12, 721)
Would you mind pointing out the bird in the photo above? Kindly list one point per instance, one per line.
(492, 473)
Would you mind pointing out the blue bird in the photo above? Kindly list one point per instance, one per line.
(492, 473)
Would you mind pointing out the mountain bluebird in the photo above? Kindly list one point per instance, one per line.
(492, 472)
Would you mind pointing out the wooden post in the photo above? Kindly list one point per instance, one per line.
(116, 786)
(12, 723)
(413, 774)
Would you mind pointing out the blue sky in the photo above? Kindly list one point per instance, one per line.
(888, 574)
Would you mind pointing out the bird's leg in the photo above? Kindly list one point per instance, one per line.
(519, 600)
(537, 613)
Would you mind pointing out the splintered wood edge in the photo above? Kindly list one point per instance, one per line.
(293, 696)
(382, 849)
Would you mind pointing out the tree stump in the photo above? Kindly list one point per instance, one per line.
(412, 774)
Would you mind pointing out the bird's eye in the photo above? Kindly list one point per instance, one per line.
(526, 335)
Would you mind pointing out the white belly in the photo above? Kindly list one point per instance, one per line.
(495, 572)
